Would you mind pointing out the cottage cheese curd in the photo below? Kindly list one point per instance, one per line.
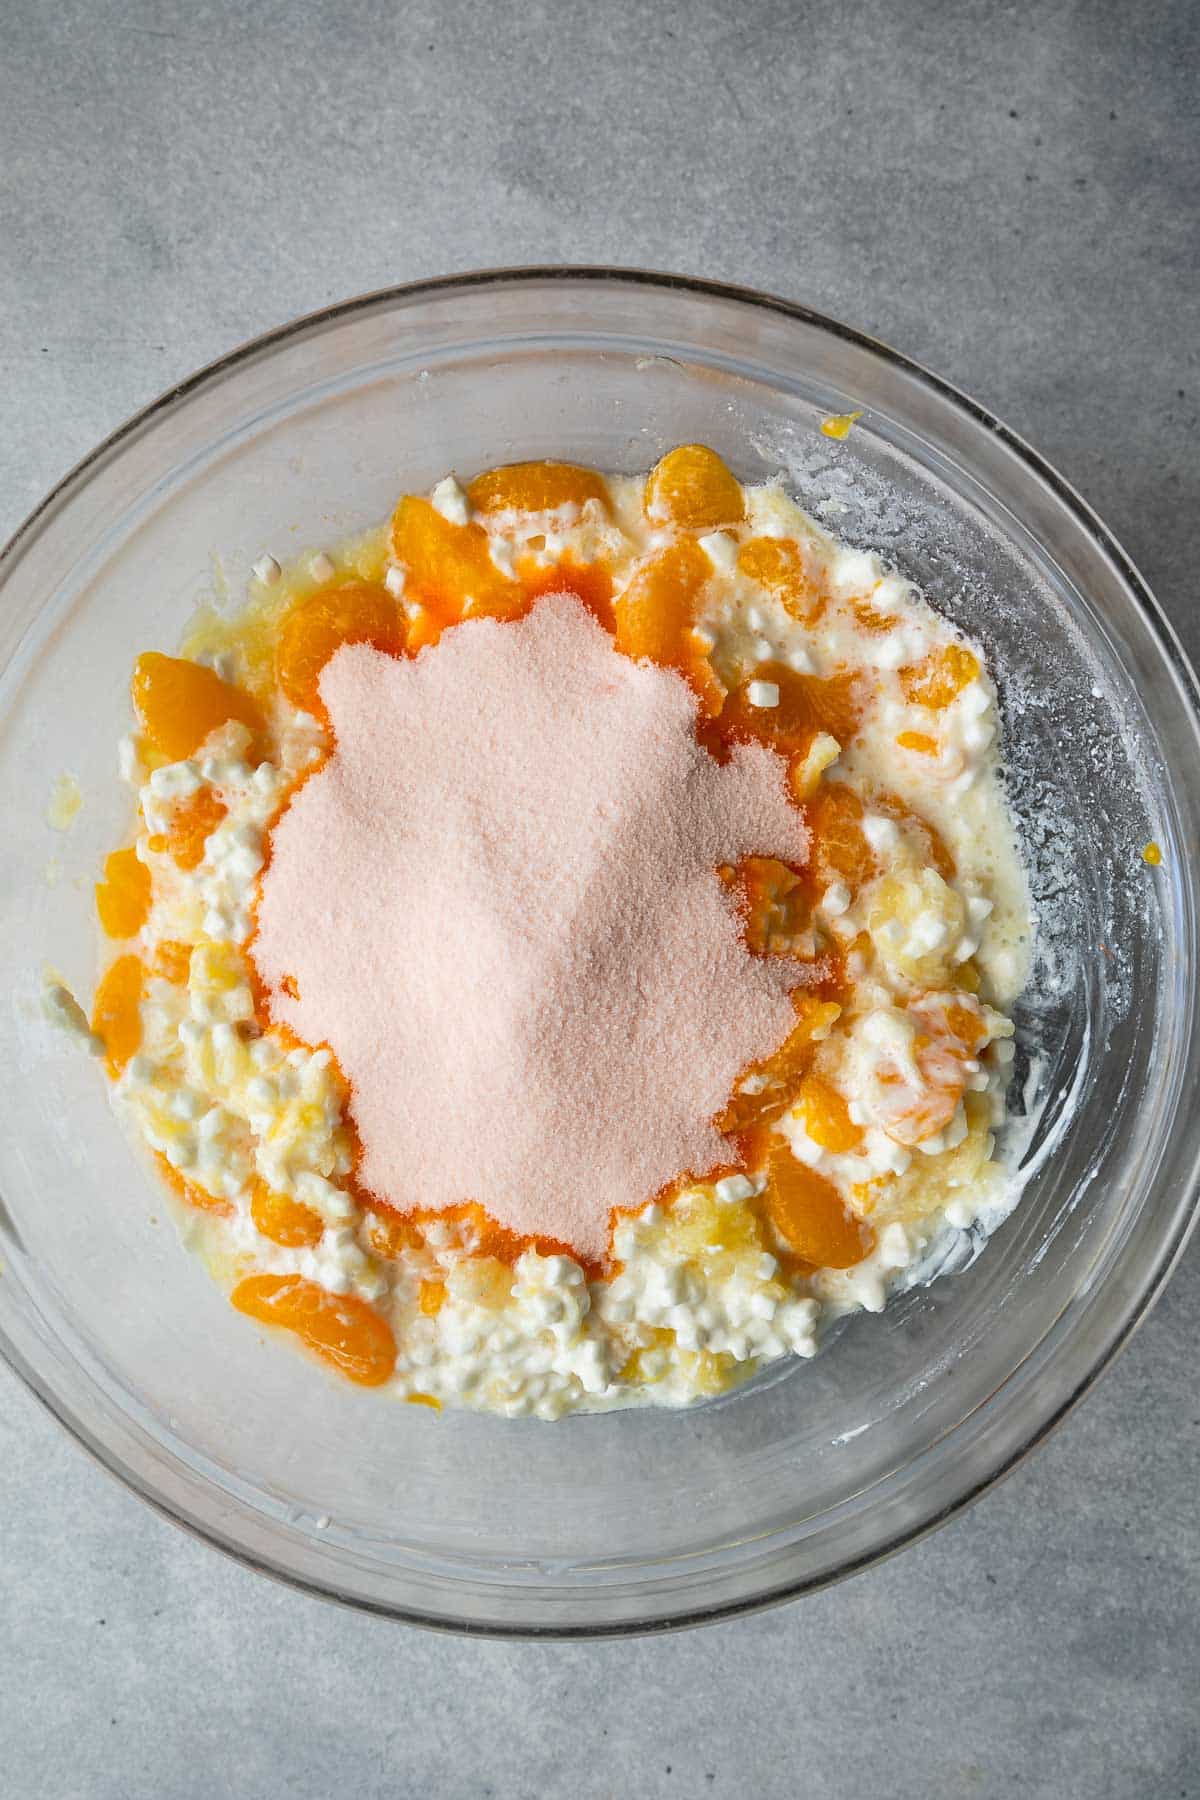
(858, 1143)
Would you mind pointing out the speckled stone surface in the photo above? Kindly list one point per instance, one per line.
(1009, 194)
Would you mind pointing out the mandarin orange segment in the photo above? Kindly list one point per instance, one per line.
(123, 897)
(656, 614)
(172, 961)
(951, 1031)
(536, 487)
(920, 741)
(692, 488)
(768, 1088)
(808, 1213)
(933, 843)
(839, 845)
(776, 903)
(284, 1220)
(431, 1298)
(117, 1012)
(827, 1116)
(777, 564)
(340, 1328)
(659, 605)
(871, 619)
(450, 572)
(491, 1240)
(966, 1024)
(939, 677)
(191, 827)
(178, 703)
(700, 676)
(807, 705)
(353, 612)
(923, 1115)
(190, 1192)
(390, 1235)
(591, 584)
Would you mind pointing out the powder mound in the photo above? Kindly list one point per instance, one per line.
(499, 905)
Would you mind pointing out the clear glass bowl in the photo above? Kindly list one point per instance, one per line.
(640, 1519)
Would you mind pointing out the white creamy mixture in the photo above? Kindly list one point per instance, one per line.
(699, 1302)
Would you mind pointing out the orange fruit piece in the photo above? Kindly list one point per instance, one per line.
(807, 704)
(450, 572)
(776, 903)
(284, 1220)
(927, 1113)
(691, 487)
(178, 703)
(189, 1192)
(939, 677)
(839, 846)
(352, 612)
(432, 1298)
(591, 584)
(172, 961)
(826, 1116)
(777, 564)
(808, 1213)
(191, 827)
(123, 897)
(700, 676)
(390, 1235)
(655, 616)
(953, 1031)
(934, 843)
(774, 1082)
(340, 1328)
(871, 619)
(116, 1012)
(535, 487)
(959, 1023)
(920, 741)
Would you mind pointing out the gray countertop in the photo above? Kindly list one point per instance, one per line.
(1008, 194)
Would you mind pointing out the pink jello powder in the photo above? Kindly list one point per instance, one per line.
(499, 905)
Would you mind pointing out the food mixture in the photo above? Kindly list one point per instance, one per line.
(566, 951)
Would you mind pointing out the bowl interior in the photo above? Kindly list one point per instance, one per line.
(632, 1519)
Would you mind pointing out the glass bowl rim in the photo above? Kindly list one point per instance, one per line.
(1167, 641)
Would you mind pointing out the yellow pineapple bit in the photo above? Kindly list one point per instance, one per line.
(838, 425)
(896, 906)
